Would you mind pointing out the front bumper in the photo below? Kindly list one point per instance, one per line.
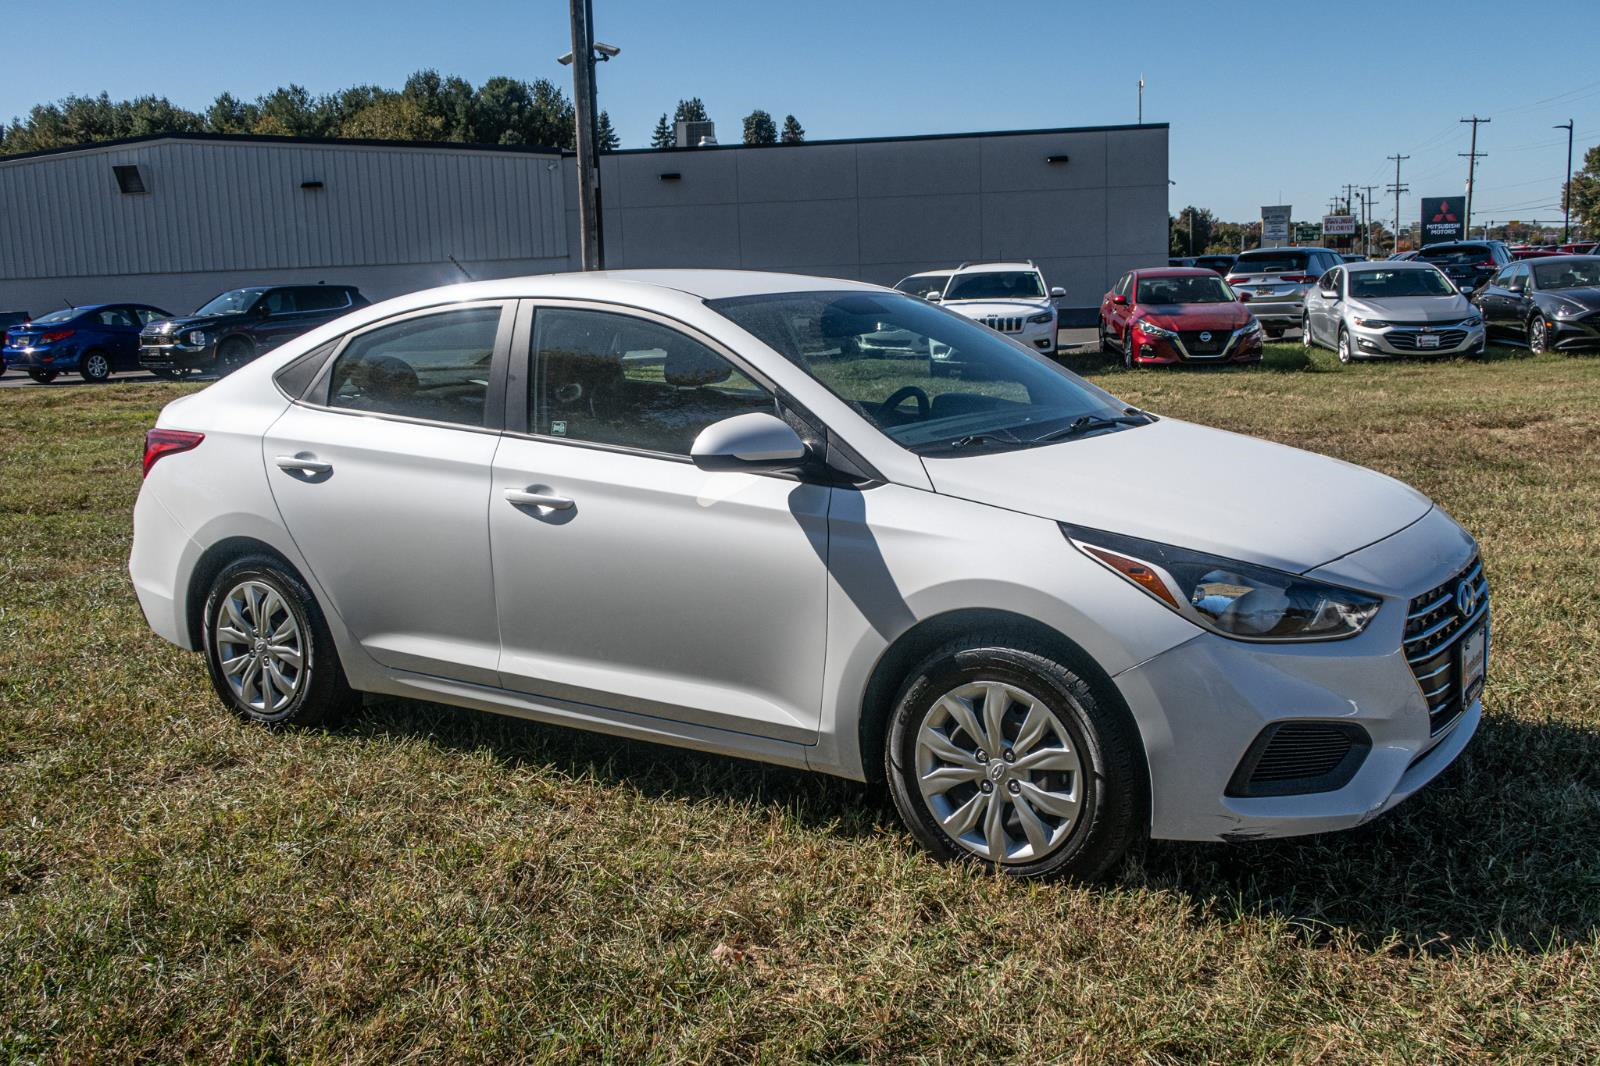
(176, 357)
(1200, 707)
(1406, 340)
(1573, 334)
(1241, 347)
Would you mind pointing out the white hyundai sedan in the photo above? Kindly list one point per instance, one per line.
(692, 507)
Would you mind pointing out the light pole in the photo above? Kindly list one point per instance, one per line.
(585, 52)
(1566, 190)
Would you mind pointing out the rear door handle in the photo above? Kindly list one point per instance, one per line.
(303, 464)
(538, 499)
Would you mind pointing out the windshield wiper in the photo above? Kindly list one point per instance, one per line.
(1092, 423)
(983, 440)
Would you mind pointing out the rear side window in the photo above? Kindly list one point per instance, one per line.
(114, 316)
(321, 298)
(280, 302)
(614, 379)
(1288, 261)
(433, 366)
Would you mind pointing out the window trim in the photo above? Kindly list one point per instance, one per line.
(523, 374)
(316, 394)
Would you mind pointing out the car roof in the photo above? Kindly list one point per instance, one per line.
(1285, 248)
(1175, 272)
(985, 268)
(946, 272)
(1366, 266)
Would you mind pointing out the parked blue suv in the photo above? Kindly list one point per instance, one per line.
(95, 341)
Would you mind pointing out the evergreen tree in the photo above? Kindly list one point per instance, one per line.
(606, 139)
(690, 110)
(792, 131)
(661, 136)
(760, 129)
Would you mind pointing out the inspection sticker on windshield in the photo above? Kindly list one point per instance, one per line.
(1473, 658)
(1427, 340)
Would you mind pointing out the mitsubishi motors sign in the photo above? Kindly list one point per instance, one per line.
(1442, 219)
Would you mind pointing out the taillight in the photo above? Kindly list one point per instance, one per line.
(1235, 279)
(1485, 263)
(1299, 279)
(55, 335)
(163, 442)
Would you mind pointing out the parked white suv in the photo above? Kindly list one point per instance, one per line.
(691, 507)
(1009, 298)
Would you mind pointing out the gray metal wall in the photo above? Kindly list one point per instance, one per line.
(879, 210)
(219, 214)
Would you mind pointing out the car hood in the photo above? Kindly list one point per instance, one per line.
(1228, 316)
(177, 325)
(982, 308)
(1587, 298)
(1196, 487)
(1452, 308)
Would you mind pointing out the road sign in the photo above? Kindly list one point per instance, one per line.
(1274, 226)
(1339, 225)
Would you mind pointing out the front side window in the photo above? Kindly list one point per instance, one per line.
(933, 381)
(234, 302)
(614, 379)
(1188, 289)
(432, 366)
(996, 285)
(1329, 282)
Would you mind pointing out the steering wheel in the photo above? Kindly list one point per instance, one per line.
(906, 392)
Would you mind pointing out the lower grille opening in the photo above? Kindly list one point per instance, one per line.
(1298, 758)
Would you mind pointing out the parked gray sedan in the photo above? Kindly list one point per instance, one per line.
(1390, 308)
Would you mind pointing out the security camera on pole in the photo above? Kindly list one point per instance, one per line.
(586, 51)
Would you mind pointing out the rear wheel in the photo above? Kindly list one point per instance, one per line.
(1275, 334)
(94, 367)
(43, 377)
(1000, 755)
(234, 353)
(271, 657)
(173, 373)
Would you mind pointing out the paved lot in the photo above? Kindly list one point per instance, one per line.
(17, 379)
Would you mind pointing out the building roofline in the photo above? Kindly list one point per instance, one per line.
(907, 137)
(265, 138)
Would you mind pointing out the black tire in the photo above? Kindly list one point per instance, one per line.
(94, 366)
(232, 354)
(1538, 337)
(1113, 813)
(322, 693)
(172, 373)
(43, 377)
(1347, 354)
(1275, 334)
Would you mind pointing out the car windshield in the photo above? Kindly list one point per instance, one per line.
(230, 303)
(1272, 263)
(1386, 284)
(1456, 253)
(931, 380)
(1571, 274)
(923, 284)
(1184, 290)
(55, 317)
(996, 285)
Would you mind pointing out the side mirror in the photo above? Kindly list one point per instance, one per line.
(931, 296)
(1057, 290)
(1244, 297)
(1329, 294)
(754, 442)
(1118, 298)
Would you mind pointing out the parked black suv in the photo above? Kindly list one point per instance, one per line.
(235, 327)
(1468, 264)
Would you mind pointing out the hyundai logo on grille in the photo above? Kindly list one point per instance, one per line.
(1205, 336)
(1467, 599)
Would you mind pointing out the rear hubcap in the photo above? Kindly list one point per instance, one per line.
(999, 772)
(260, 647)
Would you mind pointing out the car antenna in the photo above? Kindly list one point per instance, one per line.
(459, 267)
(70, 305)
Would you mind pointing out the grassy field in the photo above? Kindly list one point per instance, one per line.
(425, 883)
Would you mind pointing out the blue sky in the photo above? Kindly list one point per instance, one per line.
(1268, 103)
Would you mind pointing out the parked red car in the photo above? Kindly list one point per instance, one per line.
(1168, 315)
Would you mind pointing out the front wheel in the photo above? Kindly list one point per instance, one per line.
(267, 646)
(94, 367)
(1000, 755)
(1344, 346)
(43, 377)
(1538, 336)
(1305, 334)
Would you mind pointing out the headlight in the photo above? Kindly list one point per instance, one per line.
(1372, 323)
(1568, 311)
(1253, 326)
(1153, 330)
(1472, 323)
(197, 339)
(1238, 600)
(1040, 319)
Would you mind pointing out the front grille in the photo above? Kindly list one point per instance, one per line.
(1003, 324)
(1217, 342)
(158, 340)
(1448, 338)
(1434, 626)
(1296, 758)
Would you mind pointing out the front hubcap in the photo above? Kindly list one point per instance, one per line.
(999, 772)
(260, 647)
(1537, 344)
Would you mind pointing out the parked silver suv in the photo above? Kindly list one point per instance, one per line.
(1277, 280)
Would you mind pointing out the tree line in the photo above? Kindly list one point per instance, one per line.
(429, 107)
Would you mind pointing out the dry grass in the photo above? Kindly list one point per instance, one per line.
(430, 883)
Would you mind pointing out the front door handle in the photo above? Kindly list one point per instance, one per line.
(538, 499)
(303, 464)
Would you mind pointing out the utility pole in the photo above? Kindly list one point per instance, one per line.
(583, 107)
(1472, 157)
(1141, 99)
(1397, 189)
(1369, 211)
(1566, 188)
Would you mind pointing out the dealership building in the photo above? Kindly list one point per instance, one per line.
(173, 219)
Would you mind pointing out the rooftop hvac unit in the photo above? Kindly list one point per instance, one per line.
(695, 134)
